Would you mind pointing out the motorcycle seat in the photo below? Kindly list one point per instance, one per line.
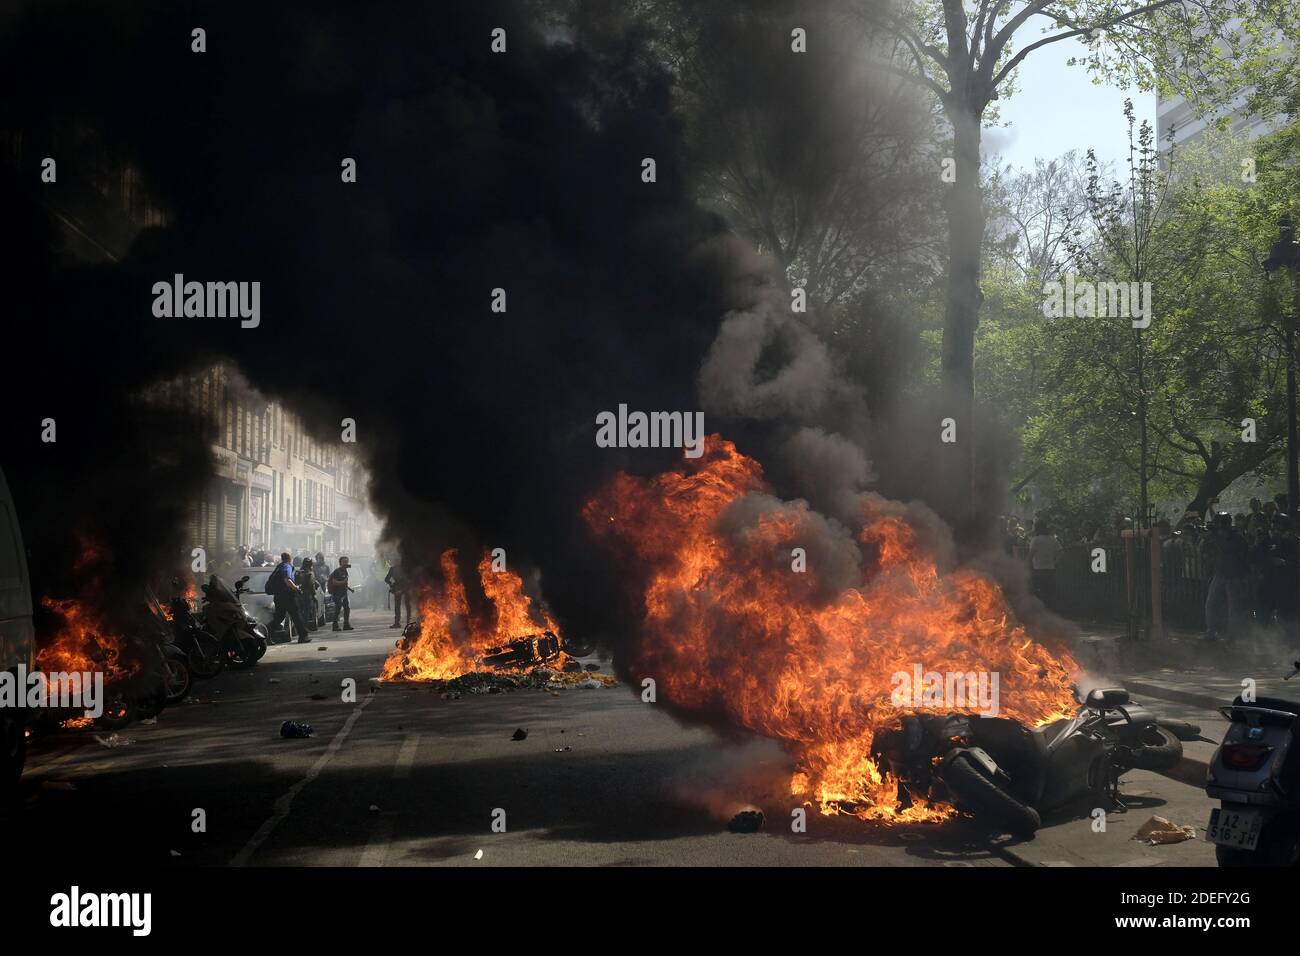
(1107, 697)
(1271, 703)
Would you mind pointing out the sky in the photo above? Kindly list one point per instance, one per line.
(1057, 108)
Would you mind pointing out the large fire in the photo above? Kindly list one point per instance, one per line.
(83, 640)
(83, 643)
(729, 628)
(453, 641)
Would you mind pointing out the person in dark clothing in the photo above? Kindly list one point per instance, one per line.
(1279, 562)
(339, 590)
(309, 589)
(1229, 594)
(396, 582)
(286, 594)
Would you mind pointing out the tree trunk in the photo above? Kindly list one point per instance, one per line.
(965, 208)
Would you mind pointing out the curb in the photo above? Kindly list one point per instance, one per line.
(1176, 696)
(1189, 770)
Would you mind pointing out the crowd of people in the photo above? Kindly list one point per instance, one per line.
(300, 582)
(1249, 563)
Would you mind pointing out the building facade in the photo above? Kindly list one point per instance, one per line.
(274, 487)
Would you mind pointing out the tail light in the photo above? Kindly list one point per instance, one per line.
(1244, 756)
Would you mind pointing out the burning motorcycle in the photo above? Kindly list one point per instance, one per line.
(241, 637)
(1255, 774)
(1006, 775)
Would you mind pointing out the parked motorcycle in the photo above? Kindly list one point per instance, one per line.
(241, 637)
(173, 662)
(1255, 774)
(203, 651)
(1006, 774)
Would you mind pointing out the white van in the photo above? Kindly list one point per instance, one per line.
(16, 634)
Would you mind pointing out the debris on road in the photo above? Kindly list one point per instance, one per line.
(519, 734)
(1158, 831)
(323, 647)
(274, 680)
(114, 740)
(560, 750)
(478, 855)
(295, 729)
(591, 667)
(374, 808)
(746, 821)
(318, 697)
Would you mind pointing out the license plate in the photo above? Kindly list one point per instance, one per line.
(1235, 828)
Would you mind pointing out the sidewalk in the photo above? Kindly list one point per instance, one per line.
(1184, 677)
(1186, 669)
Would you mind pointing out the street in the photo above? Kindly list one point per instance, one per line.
(403, 777)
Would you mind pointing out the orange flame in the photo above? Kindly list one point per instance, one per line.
(452, 641)
(728, 628)
(83, 643)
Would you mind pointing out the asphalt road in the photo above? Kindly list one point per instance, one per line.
(403, 777)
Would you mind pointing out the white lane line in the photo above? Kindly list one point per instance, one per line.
(406, 757)
(376, 851)
(381, 835)
(283, 805)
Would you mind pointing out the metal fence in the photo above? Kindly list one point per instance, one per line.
(1118, 595)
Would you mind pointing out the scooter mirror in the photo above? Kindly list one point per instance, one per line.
(242, 581)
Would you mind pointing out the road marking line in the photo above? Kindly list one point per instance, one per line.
(376, 851)
(406, 757)
(283, 805)
(381, 835)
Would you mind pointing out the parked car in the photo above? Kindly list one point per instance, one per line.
(255, 597)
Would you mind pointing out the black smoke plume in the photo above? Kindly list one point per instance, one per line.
(476, 171)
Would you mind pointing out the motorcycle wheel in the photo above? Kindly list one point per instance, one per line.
(243, 652)
(154, 701)
(118, 712)
(177, 679)
(989, 802)
(206, 659)
(1159, 749)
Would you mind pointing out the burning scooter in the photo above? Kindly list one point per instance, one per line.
(1006, 774)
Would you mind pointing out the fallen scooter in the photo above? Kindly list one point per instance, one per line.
(1007, 775)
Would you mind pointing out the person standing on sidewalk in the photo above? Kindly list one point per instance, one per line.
(1227, 600)
(1044, 551)
(338, 585)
